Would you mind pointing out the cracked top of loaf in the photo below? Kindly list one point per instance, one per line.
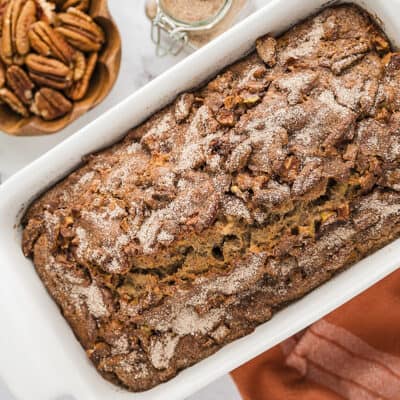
(231, 201)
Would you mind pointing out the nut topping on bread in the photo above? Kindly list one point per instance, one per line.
(229, 203)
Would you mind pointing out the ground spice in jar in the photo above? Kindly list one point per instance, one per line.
(192, 11)
(196, 11)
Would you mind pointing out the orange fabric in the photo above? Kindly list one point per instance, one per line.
(352, 354)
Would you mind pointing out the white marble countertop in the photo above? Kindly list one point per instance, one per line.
(139, 65)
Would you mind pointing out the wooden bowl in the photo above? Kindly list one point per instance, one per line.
(103, 79)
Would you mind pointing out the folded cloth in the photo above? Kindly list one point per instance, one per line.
(353, 353)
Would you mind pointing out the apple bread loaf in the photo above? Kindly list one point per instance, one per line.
(234, 200)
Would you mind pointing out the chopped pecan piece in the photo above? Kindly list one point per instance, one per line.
(381, 44)
(47, 42)
(20, 83)
(330, 27)
(221, 82)
(78, 90)
(339, 66)
(49, 72)
(230, 102)
(383, 115)
(391, 179)
(350, 153)
(266, 49)
(392, 63)
(290, 169)
(8, 97)
(237, 160)
(50, 104)
(183, 106)
(274, 196)
(80, 30)
(343, 212)
(310, 183)
(296, 85)
(366, 182)
(226, 117)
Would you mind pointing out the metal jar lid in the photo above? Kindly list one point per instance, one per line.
(177, 31)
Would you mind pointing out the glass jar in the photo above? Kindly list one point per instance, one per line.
(179, 24)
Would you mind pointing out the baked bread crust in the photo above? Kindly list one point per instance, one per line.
(231, 202)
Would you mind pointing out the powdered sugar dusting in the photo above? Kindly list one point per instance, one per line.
(83, 242)
(317, 125)
(155, 241)
(296, 84)
(235, 207)
(163, 126)
(93, 299)
(220, 333)
(77, 291)
(306, 46)
(192, 152)
(328, 244)
(133, 365)
(86, 178)
(183, 319)
(188, 322)
(134, 148)
(162, 350)
(240, 278)
(120, 345)
(381, 208)
(190, 200)
(103, 248)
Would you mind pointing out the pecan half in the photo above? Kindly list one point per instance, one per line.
(20, 83)
(18, 16)
(24, 22)
(80, 30)
(78, 90)
(47, 42)
(8, 97)
(7, 50)
(50, 104)
(79, 62)
(48, 72)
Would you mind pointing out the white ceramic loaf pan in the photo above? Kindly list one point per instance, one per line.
(40, 359)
